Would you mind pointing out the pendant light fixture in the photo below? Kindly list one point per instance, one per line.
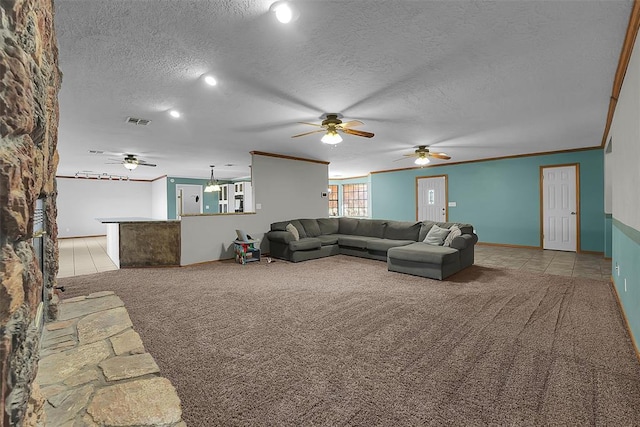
(212, 185)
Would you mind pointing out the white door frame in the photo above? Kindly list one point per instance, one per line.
(446, 195)
(542, 201)
(179, 200)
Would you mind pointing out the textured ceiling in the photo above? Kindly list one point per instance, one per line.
(472, 79)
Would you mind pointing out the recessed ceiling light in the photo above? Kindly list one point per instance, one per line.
(174, 113)
(284, 12)
(210, 80)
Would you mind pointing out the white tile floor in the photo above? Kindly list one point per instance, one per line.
(85, 255)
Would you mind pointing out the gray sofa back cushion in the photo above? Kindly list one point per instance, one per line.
(402, 230)
(297, 224)
(370, 228)
(347, 225)
(328, 225)
(311, 227)
(279, 226)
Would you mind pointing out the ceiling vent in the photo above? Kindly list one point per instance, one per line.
(96, 152)
(136, 121)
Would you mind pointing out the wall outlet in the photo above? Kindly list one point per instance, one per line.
(618, 269)
(323, 194)
(258, 206)
(206, 206)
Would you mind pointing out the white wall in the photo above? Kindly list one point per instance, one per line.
(283, 189)
(625, 157)
(80, 201)
(159, 198)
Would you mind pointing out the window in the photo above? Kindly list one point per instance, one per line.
(432, 197)
(333, 201)
(355, 199)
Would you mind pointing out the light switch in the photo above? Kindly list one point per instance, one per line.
(258, 206)
(206, 206)
(452, 204)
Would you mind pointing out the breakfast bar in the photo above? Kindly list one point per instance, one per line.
(142, 242)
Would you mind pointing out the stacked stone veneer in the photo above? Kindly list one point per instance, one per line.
(29, 84)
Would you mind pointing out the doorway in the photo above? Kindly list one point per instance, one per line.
(560, 201)
(431, 198)
(188, 199)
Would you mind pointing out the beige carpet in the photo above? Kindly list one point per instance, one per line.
(342, 341)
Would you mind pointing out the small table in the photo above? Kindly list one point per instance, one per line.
(246, 251)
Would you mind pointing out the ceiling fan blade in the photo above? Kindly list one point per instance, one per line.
(310, 124)
(308, 133)
(439, 156)
(350, 123)
(402, 158)
(358, 132)
(412, 155)
(147, 164)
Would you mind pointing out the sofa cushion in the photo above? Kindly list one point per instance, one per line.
(298, 225)
(384, 245)
(370, 227)
(464, 241)
(328, 225)
(422, 252)
(354, 241)
(306, 244)
(402, 230)
(294, 231)
(454, 232)
(436, 235)
(425, 226)
(311, 227)
(328, 239)
(347, 225)
(280, 226)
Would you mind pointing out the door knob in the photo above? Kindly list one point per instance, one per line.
(573, 213)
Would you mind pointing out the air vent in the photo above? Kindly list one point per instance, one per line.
(96, 152)
(136, 121)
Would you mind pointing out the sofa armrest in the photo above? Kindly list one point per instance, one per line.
(464, 241)
(280, 236)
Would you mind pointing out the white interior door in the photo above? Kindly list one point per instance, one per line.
(188, 199)
(432, 199)
(559, 208)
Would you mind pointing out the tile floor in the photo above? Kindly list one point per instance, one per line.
(549, 262)
(88, 255)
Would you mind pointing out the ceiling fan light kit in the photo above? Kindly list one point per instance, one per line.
(331, 125)
(130, 163)
(331, 137)
(422, 161)
(422, 154)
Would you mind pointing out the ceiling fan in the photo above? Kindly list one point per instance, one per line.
(332, 125)
(131, 162)
(422, 155)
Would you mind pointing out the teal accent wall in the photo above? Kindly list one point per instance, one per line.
(501, 198)
(625, 255)
(210, 199)
(608, 218)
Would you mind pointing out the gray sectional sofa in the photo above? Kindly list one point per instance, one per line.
(400, 243)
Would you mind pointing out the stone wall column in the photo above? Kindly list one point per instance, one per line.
(29, 84)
